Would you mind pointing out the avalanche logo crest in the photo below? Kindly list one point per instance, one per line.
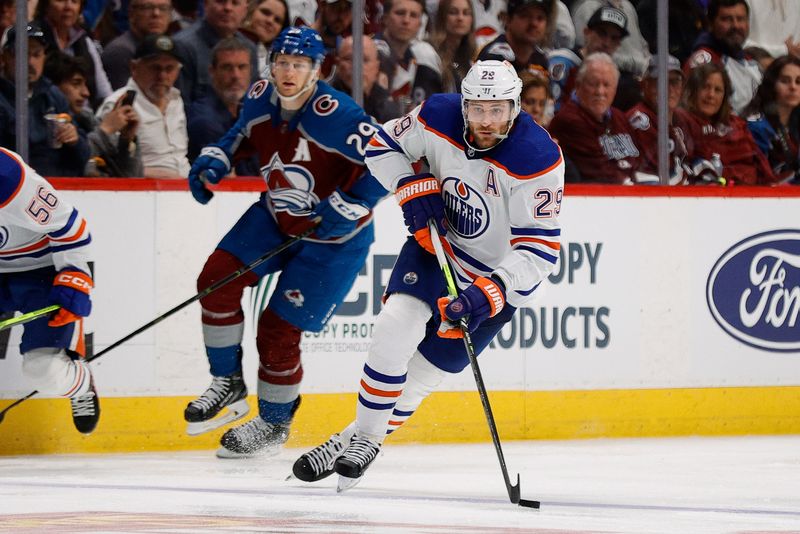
(467, 212)
(291, 187)
(753, 291)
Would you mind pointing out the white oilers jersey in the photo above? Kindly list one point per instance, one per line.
(502, 205)
(37, 227)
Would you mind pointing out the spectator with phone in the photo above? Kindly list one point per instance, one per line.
(112, 140)
(162, 135)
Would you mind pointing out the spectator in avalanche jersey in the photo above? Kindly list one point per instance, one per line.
(716, 130)
(592, 134)
(644, 123)
(773, 117)
(413, 67)
(728, 29)
(528, 25)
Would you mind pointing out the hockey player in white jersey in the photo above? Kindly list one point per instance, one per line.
(494, 189)
(44, 260)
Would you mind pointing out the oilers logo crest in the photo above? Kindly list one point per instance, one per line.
(291, 187)
(467, 212)
(3, 236)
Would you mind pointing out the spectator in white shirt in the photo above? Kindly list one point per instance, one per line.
(162, 133)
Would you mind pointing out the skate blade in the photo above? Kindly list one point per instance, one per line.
(226, 454)
(234, 412)
(345, 483)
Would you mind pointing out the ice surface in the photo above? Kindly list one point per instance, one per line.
(676, 485)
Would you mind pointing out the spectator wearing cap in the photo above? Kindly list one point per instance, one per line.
(593, 134)
(377, 101)
(112, 141)
(411, 66)
(604, 32)
(145, 17)
(452, 36)
(221, 19)
(162, 135)
(57, 150)
(210, 117)
(632, 54)
(643, 120)
(263, 22)
(59, 20)
(728, 29)
(529, 25)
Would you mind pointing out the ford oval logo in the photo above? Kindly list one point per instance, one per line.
(753, 291)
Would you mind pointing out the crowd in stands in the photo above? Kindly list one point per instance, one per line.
(139, 87)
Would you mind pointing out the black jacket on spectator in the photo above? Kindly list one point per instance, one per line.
(207, 120)
(194, 45)
(45, 98)
(686, 21)
(379, 103)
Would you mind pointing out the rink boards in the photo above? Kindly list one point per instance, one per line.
(667, 315)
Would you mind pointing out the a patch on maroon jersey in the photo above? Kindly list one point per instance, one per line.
(701, 57)
(257, 89)
(640, 121)
(325, 105)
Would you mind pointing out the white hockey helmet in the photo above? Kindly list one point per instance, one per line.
(491, 80)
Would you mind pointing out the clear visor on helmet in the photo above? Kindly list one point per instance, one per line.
(494, 111)
(284, 63)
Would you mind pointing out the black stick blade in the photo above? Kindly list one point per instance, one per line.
(529, 504)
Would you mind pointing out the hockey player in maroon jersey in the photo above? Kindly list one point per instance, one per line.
(310, 140)
(593, 135)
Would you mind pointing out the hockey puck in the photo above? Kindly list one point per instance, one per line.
(529, 504)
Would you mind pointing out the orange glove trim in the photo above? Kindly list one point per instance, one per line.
(445, 330)
(63, 317)
(493, 294)
(423, 237)
(424, 186)
(75, 280)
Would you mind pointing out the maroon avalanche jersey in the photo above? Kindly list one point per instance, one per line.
(644, 128)
(603, 151)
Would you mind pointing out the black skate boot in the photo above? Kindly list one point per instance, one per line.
(354, 461)
(255, 438)
(317, 463)
(86, 408)
(229, 391)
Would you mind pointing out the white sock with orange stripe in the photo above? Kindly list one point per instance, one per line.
(399, 328)
(422, 379)
(52, 372)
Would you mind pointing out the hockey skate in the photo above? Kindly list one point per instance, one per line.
(224, 391)
(255, 438)
(354, 461)
(317, 463)
(86, 409)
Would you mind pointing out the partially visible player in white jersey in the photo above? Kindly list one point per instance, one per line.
(494, 189)
(44, 260)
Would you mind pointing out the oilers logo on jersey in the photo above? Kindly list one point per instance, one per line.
(467, 212)
(292, 187)
(3, 236)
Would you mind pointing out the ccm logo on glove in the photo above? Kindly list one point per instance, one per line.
(75, 280)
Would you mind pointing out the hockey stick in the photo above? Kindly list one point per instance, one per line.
(513, 490)
(27, 317)
(210, 289)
